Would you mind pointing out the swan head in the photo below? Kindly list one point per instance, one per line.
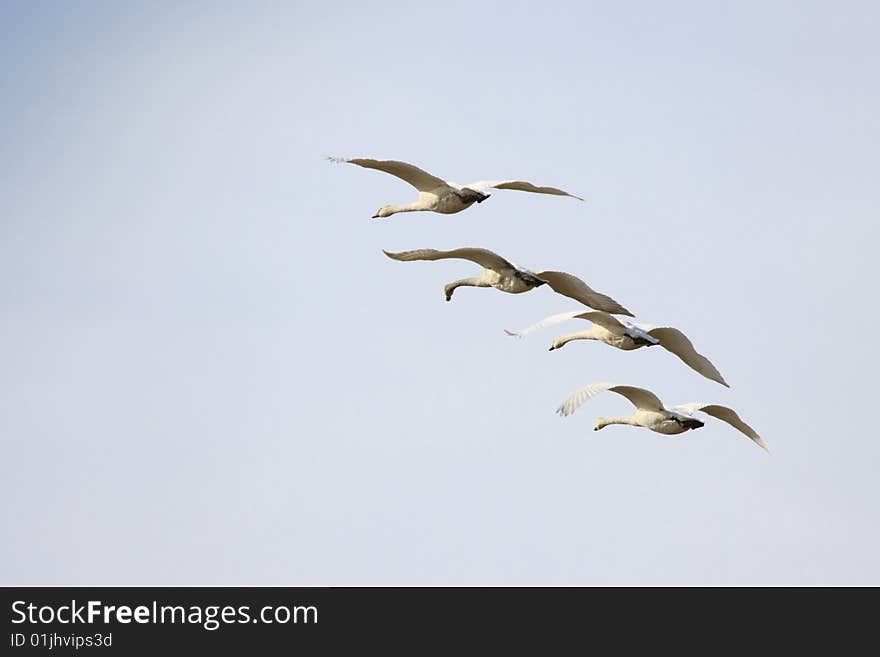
(558, 343)
(384, 211)
(601, 423)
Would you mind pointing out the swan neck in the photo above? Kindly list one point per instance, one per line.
(603, 422)
(406, 207)
(563, 340)
(449, 288)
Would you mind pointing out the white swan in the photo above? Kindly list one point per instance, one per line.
(439, 195)
(651, 414)
(507, 277)
(627, 337)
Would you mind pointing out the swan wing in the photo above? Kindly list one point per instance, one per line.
(724, 413)
(520, 185)
(643, 400)
(678, 343)
(421, 180)
(552, 320)
(483, 257)
(639, 397)
(578, 397)
(603, 319)
(575, 288)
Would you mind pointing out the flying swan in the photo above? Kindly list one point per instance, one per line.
(507, 277)
(439, 195)
(626, 336)
(651, 414)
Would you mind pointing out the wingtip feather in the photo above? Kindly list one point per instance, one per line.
(714, 375)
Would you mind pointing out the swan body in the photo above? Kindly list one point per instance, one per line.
(652, 414)
(508, 277)
(628, 337)
(443, 196)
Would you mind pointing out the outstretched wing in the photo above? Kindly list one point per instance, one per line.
(678, 343)
(596, 316)
(520, 185)
(603, 319)
(544, 323)
(421, 180)
(575, 288)
(483, 257)
(723, 413)
(643, 400)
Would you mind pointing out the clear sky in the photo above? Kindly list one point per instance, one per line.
(212, 375)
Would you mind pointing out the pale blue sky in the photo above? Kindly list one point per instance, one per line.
(212, 375)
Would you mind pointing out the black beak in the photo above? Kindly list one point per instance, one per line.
(375, 216)
(551, 348)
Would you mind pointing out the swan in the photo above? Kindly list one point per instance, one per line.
(507, 277)
(651, 414)
(627, 337)
(439, 195)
